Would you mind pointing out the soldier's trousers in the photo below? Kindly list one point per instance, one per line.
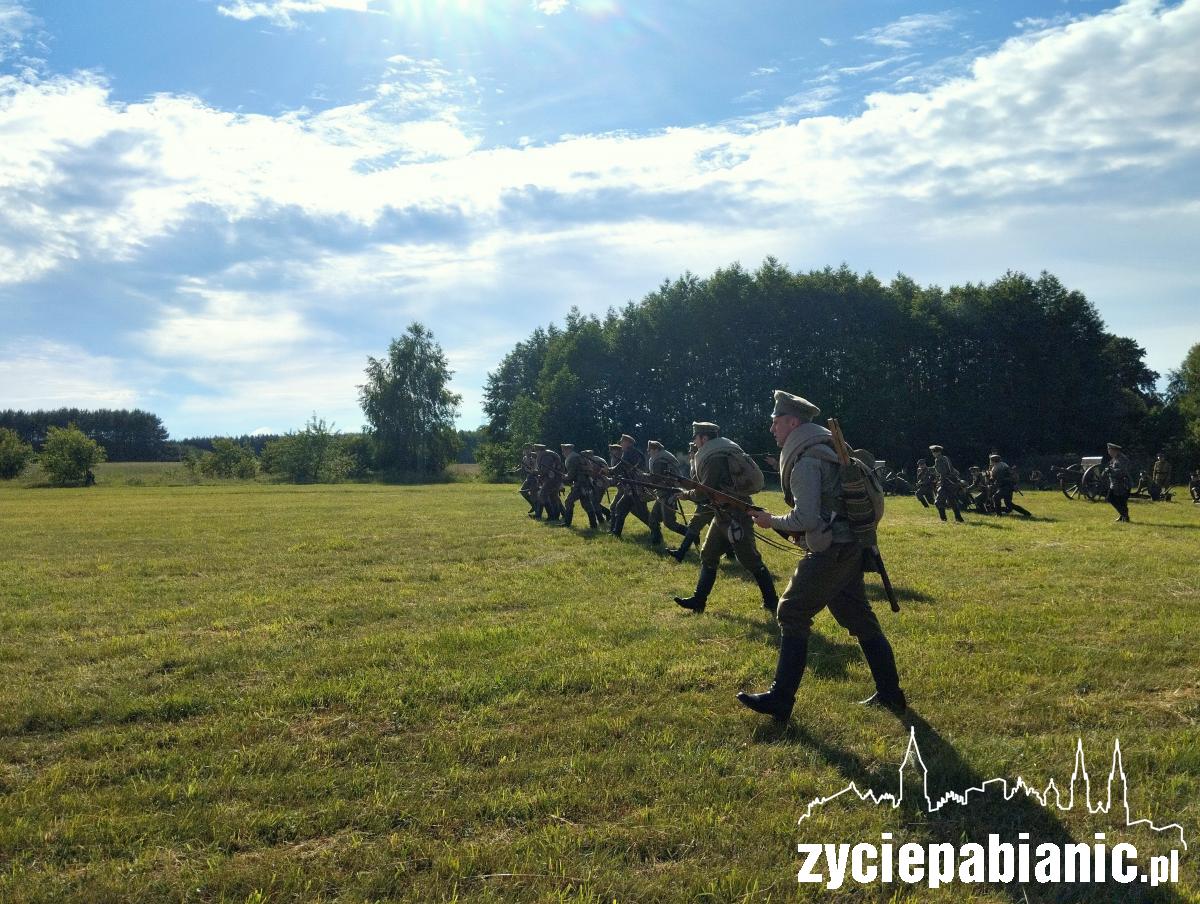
(664, 513)
(548, 499)
(834, 578)
(948, 497)
(582, 494)
(529, 489)
(1004, 505)
(626, 504)
(925, 497)
(1119, 501)
(717, 543)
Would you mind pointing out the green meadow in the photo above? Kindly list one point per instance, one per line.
(246, 692)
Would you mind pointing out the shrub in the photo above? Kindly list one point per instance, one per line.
(229, 459)
(314, 455)
(14, 454)
(69, 454)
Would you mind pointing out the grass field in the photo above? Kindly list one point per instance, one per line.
(249, 692)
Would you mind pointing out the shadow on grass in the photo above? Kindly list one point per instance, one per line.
(986, 814)
(826, 658)
(904, 594)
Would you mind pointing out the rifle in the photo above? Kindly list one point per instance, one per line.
(723, 500)
(855, 487)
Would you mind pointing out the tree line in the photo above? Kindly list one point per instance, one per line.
(124, 435)
(1021, 365)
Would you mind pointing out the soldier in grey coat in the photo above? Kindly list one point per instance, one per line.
(662, 465)
(831, 572)
(948, 485)
(1120, 481)
(578, 479)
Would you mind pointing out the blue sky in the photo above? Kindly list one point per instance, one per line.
(216, 209)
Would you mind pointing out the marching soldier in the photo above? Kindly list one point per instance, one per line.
(549, 472)
(948, 485)
(529, 469)
(700, 519)
(662, 464)
(595, 467)
(629, 497)
(1003, 485)
(1036, 480)
(1160, 478)
(831, 572)
(925, 480)
(729, 530)
(1119, 481)
(1194, 487)
(580, 483)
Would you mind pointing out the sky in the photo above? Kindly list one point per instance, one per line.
(216, 210)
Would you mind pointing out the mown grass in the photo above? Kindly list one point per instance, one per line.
(362, 692)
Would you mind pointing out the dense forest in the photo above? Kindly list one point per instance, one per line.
(1024, 366)
(124, 435)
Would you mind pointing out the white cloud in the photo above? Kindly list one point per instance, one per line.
(907, 30)
(37, 373)
(828, 42)
(283, 12)
(551, 7)
(15, 23)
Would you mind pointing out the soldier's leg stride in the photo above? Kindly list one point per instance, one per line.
(704, 586)
(766, 586)
(882, 663)
(685, 544)
(778, 700)
(941, 511)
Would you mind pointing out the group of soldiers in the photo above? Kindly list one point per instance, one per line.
(719, 480)
(988, 492)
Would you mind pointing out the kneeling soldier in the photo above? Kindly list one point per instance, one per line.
(831, 572)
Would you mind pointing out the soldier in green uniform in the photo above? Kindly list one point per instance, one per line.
(1194, 487)
(595, 468)
(1120, 481)
(1160, 479)
(549, 472)
(529, 469)
(948, 485)
(831, 572)
(729, 530)
(700, 519)
(578, 479)
(663, 465)
(1003, 485)
(925, 481)
(631, 498)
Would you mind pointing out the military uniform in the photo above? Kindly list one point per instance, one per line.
(663, 465)
(1003, 486)
(1194, 487)
(1160, 479)
(700, 519)
(529, 469)
(629, 497)
(926, 480)
(549, 470)
(948, 486)
(1119, 482)
(729, 530)
(831, 572)
(580, 483)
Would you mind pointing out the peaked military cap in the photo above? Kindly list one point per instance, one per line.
(567, 446)
(588, 452)
(1114, 446)
(935, 448)
(654, 444)
(612, 446)
(787, 403)
(994, 457)
(539, 446)
(626, 436)
(705, 428)
(865, 457)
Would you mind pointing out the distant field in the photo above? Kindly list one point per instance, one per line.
(249, 692)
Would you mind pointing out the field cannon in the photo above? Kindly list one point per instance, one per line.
(1088, 479)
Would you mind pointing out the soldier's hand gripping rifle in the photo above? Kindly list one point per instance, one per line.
(718, 499)
(860, 511)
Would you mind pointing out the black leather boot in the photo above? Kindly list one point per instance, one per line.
(882, 663)
(779, 699)
(766, 584)
(684, 545)
(704, 586)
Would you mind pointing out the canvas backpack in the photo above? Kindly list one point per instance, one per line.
(744, 473)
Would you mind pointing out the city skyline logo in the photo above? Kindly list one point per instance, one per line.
(1050, 792)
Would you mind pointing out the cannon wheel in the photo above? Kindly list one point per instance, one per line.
(1068, 482)
(1091, 484)
(898, 486)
